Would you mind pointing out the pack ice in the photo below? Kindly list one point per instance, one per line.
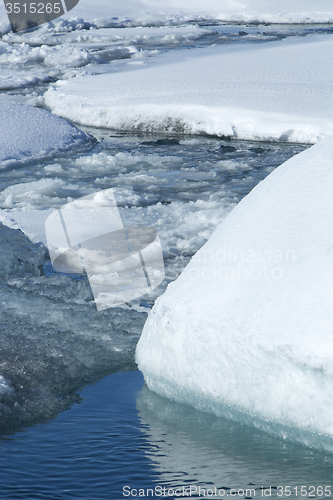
(52, 339)
(246, 331)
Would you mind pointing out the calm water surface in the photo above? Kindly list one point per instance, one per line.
(121, 435)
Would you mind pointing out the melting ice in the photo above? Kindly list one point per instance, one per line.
(246, 330)
(53, 339)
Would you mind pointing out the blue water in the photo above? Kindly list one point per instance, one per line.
(87, 452)
(122, 435)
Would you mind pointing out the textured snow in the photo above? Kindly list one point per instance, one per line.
(261, 92)
(27, 133)
(148, 12)
(229, 10)
(246, 330)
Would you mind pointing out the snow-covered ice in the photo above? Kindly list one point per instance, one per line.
(116, 66)
(261, 92)
(148, 12)
(246, 330)
(28, 133)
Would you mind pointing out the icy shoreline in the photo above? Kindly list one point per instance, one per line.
(250, 92)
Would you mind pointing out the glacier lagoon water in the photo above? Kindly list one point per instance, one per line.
(122, 435)
(89, 443)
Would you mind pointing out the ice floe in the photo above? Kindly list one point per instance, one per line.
(246, 331)
(28, 133)
(262, 92)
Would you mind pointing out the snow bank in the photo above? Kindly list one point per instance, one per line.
(262, 92)
(27, 132)
(246, 331)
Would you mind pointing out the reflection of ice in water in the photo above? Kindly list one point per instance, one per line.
(189, 447)
(122, 263)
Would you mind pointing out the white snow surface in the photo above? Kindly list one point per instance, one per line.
(273, 91)
(27, 132)
(246, 330)
(147, 12)
(227, 10)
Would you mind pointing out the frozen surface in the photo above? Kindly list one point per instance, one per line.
(261, 92)
(18, 255)
(63, 49)
(147, 12)
(246, 330)
(27, 133)
(36, 58)
(52, 339)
